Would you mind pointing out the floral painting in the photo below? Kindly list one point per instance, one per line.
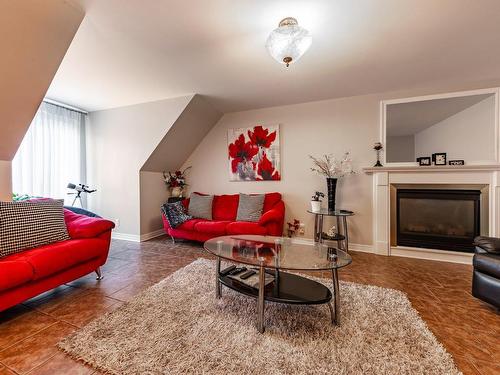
(254, 153)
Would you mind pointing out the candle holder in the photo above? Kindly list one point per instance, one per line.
(378, 149)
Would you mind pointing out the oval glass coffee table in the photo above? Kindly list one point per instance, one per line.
(270, 257)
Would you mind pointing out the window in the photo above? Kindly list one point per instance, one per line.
(52, 153)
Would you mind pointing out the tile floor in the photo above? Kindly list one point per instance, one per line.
(469, 329)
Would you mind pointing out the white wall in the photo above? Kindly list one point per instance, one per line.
(120, 141)
(331, 126)
(5, 180)
(153, 193)
(35, 38)
(466, 135)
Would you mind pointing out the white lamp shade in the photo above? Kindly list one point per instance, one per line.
(288, 43)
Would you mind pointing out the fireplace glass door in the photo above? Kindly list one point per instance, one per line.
(438, 219)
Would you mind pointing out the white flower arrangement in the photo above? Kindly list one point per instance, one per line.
(331, 167)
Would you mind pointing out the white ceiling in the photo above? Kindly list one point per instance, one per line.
(134, 51)
(410, 118)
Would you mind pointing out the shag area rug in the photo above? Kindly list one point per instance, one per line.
(178, 327)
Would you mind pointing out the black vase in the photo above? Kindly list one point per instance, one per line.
(331, 183)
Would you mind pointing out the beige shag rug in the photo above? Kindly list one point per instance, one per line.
(178, 327)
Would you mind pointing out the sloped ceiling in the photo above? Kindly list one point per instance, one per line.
(35, 37)
(182, 138)
(136, 51)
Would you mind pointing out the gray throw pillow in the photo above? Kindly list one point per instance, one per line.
(200, 206)
(250, 207)
(25, 225)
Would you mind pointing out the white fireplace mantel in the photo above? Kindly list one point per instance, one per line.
(433, 168)
(385, 177)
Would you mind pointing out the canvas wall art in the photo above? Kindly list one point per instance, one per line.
(254, 153)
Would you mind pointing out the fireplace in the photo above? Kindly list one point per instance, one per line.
(438, 218)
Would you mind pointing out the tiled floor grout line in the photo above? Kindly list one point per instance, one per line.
(29, 336)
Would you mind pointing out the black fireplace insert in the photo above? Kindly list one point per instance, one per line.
(438, 218)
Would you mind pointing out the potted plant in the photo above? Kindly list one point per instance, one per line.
(176, 182)
(316, 201)
(293, 227)
(333, 169)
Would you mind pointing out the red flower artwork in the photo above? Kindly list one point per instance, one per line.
(266, 170)
(254, 153)
(261, 136)
(241, 151)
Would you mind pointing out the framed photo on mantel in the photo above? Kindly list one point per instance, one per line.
(424, 161)
(439, 158)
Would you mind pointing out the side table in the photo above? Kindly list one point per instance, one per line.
(342, 235)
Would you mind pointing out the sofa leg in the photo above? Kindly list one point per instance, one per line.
(173, 240)
(99, 274)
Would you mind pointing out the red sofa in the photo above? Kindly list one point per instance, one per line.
(224, 210)
(31, 272)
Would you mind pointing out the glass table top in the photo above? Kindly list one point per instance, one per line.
(327, 212)
(277, 252)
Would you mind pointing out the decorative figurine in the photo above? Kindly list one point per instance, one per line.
(378, 148)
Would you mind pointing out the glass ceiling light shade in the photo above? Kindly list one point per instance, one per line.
(288, 42)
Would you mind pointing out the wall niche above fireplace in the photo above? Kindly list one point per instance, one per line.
(446, 219)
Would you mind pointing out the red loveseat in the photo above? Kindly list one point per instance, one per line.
(31, 272)
(224, 210)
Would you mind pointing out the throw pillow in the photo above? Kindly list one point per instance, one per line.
(25, 225)
(175, 214)
(200, 206)
(250, 207)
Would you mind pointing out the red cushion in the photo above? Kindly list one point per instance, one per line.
(245, 227)
(271, 200)
(213, 227)
(14, 273)
(81, 226)
(50, 259)
(225, 207)
(189, 225)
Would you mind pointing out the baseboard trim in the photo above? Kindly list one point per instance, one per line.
(408, 252)
(352, 246)
(431, 254)
(126, 237)
(150, 235)
(361, 248)
(137, 237)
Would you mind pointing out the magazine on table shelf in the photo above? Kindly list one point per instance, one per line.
(253, 281)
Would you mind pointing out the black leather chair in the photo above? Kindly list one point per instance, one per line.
(486, 278)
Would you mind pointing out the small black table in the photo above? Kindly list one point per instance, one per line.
(342, 235)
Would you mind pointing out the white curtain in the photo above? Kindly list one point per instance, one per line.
(52, 154)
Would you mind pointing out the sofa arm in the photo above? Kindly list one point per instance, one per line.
(81, 226)
(277, 214)
(488, 244)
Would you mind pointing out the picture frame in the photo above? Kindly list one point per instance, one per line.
(254, 153)
(456, 162)
(439, 158)
(424, 161)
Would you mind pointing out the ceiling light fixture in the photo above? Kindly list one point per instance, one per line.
(288, 42)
